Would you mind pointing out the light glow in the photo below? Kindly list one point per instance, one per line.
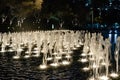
(114, 75)
(54, 64)
(86, 69)
(65, 62)
(83, 54)
(103, 77)
(83, 60)
(16, 57)
(26, 56)
(49, 58)
(43, 66)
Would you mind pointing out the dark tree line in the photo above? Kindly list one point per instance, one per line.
(69, 13)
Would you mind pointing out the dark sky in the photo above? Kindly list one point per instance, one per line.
(23, 8)
(19, 7)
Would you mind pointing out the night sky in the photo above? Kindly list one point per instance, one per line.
(19, 8)
(69, 11)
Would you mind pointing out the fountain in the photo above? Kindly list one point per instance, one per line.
(18, 53)
(44, 51)
(55, 48)
(98, 58)
(50, 46)
(86, 69)
(3, 48)
(28, 52)
(56, 57)
(116, 56)
(85, 50)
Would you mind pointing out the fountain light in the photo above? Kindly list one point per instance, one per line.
(49, 58)
(78, 46)
(58, 57)
(16, 57)
(63, 52)
(81, 43)
(43, 66)
(87, 47)
(20, 50)
(65, 62)
(74, 48)
(83, 60)
(36, 54)
(26, 56)
(68, 56)
(70, 52)
(55, 53)
(7, 44)
(36, 49)
(2, 51)
(103, 77)
(10, 50)
(54, 64)
(21, 43)
(95, 66)
(114, 75)
(86, 69)
(103, 63)
(83, 54)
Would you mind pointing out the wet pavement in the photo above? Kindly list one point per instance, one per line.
(28, 69)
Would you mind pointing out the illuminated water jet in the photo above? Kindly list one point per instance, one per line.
(18, 54)
(65, 62)
(83, 54)
(43, 66)
(103, 77)
(49, 58)
(68, 56)
(114, 75)
(27, 55)
(83, 60)
(54, 64)
(86, 69)
(16, 57)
